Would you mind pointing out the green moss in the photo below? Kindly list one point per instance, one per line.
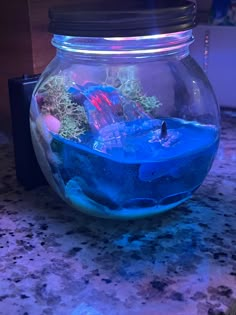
(71, 129)
(56, 99)
(127, 83)
(57, 102)
(148, 102)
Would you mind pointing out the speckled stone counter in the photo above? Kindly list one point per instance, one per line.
(54, 260)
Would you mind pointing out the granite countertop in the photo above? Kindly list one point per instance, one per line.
(54, 260)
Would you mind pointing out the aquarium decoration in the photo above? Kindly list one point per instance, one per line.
(70, 110)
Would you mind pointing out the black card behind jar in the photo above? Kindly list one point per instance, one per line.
(28, 172)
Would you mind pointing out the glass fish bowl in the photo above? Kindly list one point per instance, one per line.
(124, 122)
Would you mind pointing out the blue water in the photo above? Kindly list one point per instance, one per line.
(129, 171)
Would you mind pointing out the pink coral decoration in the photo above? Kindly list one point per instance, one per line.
(52, 123)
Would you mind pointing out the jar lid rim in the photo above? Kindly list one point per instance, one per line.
(143, 18)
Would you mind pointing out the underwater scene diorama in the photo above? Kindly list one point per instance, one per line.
(106, 151)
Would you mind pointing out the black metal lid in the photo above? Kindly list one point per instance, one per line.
(125, 18)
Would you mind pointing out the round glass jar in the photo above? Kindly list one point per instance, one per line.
(124, 123)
